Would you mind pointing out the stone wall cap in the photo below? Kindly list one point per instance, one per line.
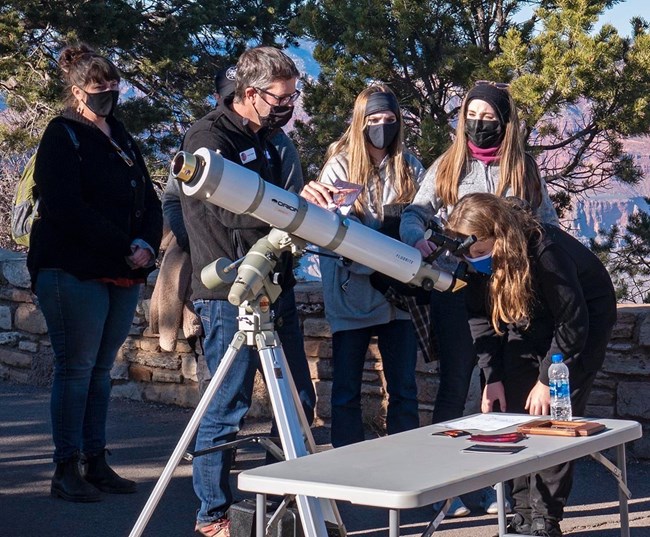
(308, 286)
(633, 308)
(10, 255)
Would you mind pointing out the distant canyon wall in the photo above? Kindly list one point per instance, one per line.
(590, 216)
(599, 211)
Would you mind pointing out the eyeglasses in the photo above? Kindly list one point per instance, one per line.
(498, 85)
(283, 100)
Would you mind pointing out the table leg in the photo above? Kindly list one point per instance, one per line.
(393, 523)
(260, 515)
(622, 497)
(501, 503)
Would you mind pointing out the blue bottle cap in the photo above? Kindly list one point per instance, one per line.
(556, 358)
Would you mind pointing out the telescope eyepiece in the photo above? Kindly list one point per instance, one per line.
(458, 244)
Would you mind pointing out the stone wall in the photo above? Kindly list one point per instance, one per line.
(143, 372)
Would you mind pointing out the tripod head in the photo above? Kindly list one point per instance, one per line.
(256, 271)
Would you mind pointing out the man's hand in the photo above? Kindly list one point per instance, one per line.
(538, 402)
(319, 193)
(426, 247)
(492, 393)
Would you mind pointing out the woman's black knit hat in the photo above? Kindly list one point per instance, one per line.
(498, 98)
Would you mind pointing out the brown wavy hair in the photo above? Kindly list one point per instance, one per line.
(361, 169)
(81, 66)
(513, 227)
(518, 170)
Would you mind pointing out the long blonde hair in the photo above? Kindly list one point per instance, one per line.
(361, 169)
(513, 228)
(517, 170)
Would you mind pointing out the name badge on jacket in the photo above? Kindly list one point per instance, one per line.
(248, 155)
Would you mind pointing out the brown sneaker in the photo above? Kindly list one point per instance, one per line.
(218, 528)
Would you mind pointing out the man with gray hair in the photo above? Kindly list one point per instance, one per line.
(225, 82)
(263, 101)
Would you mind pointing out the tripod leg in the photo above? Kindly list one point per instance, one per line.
(238, 340)
(330, 510)
(292, 427)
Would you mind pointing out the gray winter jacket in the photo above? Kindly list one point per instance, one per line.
(479, 177)
(351, 302)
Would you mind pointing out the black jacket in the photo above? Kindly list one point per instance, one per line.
(574, 299)
(215, 232)
(291, 173)
(92, 204)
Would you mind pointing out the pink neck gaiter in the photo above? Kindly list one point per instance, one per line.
(487, 155)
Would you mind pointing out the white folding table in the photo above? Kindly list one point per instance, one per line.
(417, 468)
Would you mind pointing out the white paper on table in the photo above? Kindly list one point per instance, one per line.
(489, 422)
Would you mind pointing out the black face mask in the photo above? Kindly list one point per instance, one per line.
(102, 103)
(484, 133)
(381, 135)
(278, 117)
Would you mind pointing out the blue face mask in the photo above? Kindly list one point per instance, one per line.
(482, 264)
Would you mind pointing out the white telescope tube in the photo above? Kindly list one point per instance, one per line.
(208, 176)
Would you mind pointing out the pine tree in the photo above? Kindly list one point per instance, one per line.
(626, 254)
(167, 51)
(431, 52)
(580, 94)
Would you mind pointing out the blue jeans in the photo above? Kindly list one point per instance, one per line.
(398, 347)
(456, 354)
(87, 321)
(231, 402)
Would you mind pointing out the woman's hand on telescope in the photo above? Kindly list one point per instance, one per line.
(426, 247)
(319, 193)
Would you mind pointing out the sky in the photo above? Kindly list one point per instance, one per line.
(619, 15)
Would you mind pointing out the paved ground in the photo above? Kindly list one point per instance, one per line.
(142, 437)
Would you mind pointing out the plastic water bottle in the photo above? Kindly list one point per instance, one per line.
(558, 377)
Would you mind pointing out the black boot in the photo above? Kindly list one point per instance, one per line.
(100, 474)
(518, 524)
(68, 483)
(546, 528)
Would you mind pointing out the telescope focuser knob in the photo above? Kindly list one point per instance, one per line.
(427, 284)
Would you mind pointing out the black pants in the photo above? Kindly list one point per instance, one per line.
(544, 494)
(456, 354)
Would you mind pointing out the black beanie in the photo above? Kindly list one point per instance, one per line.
(497, 98)
(225, 81)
